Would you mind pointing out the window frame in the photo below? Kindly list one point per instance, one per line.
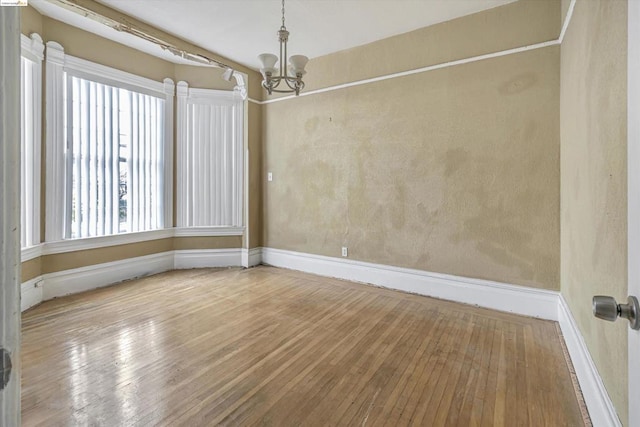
(58, 66)
(187, 97)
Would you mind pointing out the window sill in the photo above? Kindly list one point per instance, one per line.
(31, 252)
(72, 245)
(208, 231)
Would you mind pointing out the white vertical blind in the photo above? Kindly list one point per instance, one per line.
(116, 159)
(210, 146)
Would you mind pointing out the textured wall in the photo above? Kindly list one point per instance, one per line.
(594, 180)
(453, 171)
(564, 9)
(70, 260)
(218, 242)
(30, 21)
(31, 269)
(517, 24)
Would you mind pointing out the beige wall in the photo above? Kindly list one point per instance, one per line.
(223, 242)
(30, 21)
(31, 269)
(518, 24)
(70, 260)
(452, 171)
(594, 180)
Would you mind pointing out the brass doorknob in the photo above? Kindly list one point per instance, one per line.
(606, 308)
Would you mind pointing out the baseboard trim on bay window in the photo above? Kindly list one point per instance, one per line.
(31, 293)
(483, 293)
(96, 276)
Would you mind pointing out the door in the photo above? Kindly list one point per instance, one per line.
(633, 170)
(9, 216)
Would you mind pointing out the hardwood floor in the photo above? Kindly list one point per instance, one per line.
(275, 347)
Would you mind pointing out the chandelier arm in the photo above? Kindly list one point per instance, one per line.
(283, 91)
(267, 87)
(290, 80)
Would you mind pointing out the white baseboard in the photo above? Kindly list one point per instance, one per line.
(96, 276)
(30, 293)
(205, 258)
(254, 257)
(601, 409)
(484, 293)
(251, 257)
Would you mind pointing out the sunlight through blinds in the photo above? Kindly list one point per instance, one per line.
(116, 159)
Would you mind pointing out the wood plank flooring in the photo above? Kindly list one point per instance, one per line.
(267, 346)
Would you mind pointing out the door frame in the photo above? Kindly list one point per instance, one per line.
(633, 200)
(10, 211)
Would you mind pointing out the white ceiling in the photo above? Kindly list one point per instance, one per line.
(242, 29)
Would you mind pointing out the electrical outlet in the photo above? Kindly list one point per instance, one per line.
(269, 176)
(345, 251)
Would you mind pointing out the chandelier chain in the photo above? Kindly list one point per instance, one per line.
(283, 26)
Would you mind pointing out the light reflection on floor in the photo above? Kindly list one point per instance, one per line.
(89, 385)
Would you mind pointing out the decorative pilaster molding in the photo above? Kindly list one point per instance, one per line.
(55, 144)
(182, 199)
(169, 90)
(32, 47)
(239, 178)
(240, 87)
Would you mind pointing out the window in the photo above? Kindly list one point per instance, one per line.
(31, 105)
(115, 161)
(109, 150)
(210, 157)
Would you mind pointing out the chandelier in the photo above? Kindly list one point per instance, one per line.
(291, 76)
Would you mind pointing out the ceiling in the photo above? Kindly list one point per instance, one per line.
(241, 29)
